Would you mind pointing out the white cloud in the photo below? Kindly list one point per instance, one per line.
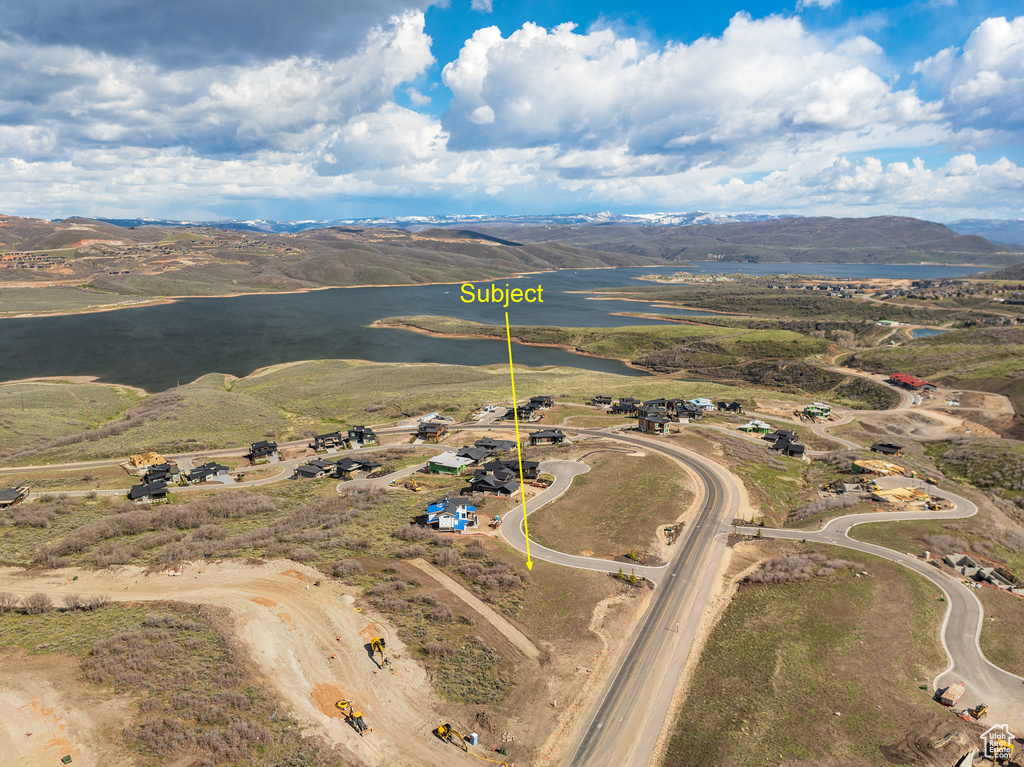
(484, 6)
(983, 83)
(763, 82)
(418, 99)
(281, 104)
(801, 4)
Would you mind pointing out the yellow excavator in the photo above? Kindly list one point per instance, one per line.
(377, 645)
(448, 735)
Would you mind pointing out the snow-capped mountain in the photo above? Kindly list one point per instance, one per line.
(606, 218)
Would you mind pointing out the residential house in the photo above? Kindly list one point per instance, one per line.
(262, 451)
(887, 448)
(626, 406)
(911, 382)
(702, 403)
(205, 472)
(361, 435)
(734, 407)
(328, 441)
(13, 495)
(153, 491)
(756, 427)
(547, 437)
(474, 454)
(449, 515)
(447, 463)
(655, 403)
(163, 471)
(818, 410)
(523, 413)
(432, 432)
(542, 402)
(315, 469)
(653, 421)
(488, 483)
(348, 467)
(602, 400)
(722, 406)
(495, 445)
(530, 468)
(781, 434)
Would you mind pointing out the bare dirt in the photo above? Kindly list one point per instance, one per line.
(48, 712)
(291, 642)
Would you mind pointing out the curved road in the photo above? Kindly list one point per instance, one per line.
(986, 683)
(625, 725)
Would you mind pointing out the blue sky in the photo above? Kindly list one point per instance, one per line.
(347, 109)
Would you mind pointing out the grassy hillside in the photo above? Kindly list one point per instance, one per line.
(881, 239)
(288, 402)
(740, 356)
(786, 656)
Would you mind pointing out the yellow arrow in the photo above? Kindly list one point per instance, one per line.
(519, 447)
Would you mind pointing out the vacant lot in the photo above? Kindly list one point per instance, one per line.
(35, 413)
(1001, 637)
(615, 507)
(785, 657)
(985, 534)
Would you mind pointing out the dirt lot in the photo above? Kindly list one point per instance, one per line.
(47, 712)
(291, 631)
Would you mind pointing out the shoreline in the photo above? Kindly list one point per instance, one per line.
(161, 300)
(492, 337)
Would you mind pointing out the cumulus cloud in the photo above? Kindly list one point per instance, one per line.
(284, 104)
(196, 33)
(763, 82)
(983, 83)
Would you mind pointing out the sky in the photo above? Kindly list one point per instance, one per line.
(343, 109)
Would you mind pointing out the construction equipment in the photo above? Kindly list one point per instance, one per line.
(413, 485)
(496, 523)
(377, 645)
(979, 711)
(448, 735)
(353, 717)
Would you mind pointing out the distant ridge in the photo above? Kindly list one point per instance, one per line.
(416, 223)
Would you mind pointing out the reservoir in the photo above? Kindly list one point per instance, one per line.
(155, 347)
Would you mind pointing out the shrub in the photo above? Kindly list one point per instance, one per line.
(408, 552)
(447, 557)
(947, 544)
(96, 602)
(821, 505)
(37, 603)
(441, 614)
(413, 533)
(347, 567)
(72, 602)
(8, 601)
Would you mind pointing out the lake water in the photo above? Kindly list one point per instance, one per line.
(926, 332)
(155, 347)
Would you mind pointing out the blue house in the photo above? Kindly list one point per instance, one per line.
(702, 403)
(448, 515)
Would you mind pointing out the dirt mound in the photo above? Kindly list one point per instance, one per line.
(371, 631)
(325, 698)
(264, 601)
(916, 747)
